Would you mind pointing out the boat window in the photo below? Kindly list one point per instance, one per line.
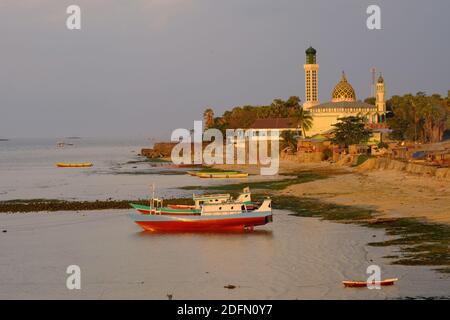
(243, 208)
(232, 208)
(220, 208)
(246, 195)
(270, 205)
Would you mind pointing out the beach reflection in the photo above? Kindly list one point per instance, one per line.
(224, 234)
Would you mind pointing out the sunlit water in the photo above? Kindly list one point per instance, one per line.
(291, 258)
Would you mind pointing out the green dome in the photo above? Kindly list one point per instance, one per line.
(311, 50)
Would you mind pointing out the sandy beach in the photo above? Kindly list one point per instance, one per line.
(392, 193)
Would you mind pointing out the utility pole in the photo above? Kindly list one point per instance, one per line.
(373, 88)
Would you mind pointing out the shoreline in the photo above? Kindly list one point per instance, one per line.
(375, 199)
(391, 193)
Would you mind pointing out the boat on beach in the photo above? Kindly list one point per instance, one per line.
(361, 284)
(229, 215)
(199, 173)
(156, 205)
(73, 165)
(222, 175)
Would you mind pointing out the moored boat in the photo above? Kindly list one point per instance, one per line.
(158, 210)
(156, 205)
(212, 217)
(208, 173)
(222, 175)
(73, 165)
(360, 284)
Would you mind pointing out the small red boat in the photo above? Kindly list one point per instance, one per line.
(361, 284)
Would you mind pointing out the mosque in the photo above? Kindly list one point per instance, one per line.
(343, 100)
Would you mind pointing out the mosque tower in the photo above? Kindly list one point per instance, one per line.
(311, 79)
(380, 99)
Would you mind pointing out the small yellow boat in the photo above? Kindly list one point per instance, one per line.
(208, 173)
(73, 165)
(222, 175)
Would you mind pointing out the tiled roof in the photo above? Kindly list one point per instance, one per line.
(274, 123)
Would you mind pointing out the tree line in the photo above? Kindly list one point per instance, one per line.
(418, 117)
(243, 117)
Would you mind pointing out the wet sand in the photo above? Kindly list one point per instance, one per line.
(292, 258)
(391, 193)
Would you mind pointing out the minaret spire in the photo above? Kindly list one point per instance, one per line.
(311, 79)
(380, 100)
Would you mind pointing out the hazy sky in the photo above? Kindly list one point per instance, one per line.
(144, 68)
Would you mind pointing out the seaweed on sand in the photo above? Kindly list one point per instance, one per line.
(37, 205)
(420, 243)
(269, 185)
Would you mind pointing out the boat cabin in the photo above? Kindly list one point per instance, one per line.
(210, 199)
(225, 208)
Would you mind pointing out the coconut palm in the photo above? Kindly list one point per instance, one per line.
(208, 118)
(289, 140)
(303, 120)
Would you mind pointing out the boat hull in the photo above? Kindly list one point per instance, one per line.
(202, 223)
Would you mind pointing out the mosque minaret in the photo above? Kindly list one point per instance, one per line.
(380, 100)
(311, 79)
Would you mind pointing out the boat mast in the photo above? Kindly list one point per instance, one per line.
(153, 195)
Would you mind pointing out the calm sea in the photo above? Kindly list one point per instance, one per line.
(28, 171)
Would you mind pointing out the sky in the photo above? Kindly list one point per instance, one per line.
(142, 68)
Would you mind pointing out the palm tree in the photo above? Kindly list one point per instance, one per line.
(289, 141)
(303, 119)
(208, 118)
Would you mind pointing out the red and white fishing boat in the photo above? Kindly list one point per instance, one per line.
(228, 215)
(156, 205)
